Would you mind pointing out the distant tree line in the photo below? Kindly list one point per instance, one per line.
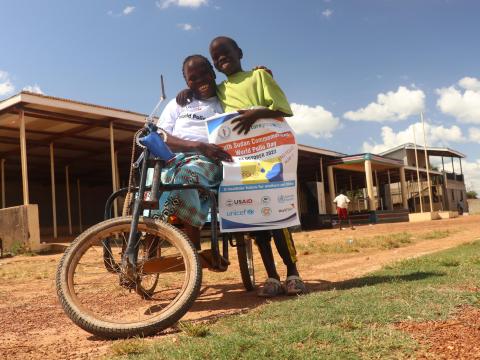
(472, 194)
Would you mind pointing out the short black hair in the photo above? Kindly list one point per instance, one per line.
(200, 57)
(229, 39)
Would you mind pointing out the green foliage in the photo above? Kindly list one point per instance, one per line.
(472, 194)
(194, 329)
(129, 347)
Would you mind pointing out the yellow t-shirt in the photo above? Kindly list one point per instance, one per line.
(246, 89)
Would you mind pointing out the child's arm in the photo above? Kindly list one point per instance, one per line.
(274, 100)
(248, 117)
(211, 151)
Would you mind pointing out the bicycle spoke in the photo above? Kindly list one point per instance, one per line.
(112, 295)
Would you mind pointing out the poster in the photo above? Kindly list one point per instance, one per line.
(259, 189)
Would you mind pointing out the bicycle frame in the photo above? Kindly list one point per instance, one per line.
(130, 255)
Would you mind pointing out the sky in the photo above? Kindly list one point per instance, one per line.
(357, 73)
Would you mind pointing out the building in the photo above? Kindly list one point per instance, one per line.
(60, 159)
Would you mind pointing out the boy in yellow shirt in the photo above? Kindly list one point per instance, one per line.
(240, 92)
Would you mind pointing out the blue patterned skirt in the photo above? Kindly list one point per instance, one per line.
(190, 206)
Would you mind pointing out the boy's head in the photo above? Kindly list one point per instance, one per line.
(199, 76)
(226, 55)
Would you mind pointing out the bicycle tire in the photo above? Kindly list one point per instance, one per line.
(99, 325)
(245, 260)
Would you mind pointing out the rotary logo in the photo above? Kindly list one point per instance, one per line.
(266, 211)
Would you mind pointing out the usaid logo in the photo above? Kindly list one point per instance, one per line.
(224, 132)
(285, 198)
(239, 202)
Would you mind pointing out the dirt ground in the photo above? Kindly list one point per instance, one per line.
(34, 326)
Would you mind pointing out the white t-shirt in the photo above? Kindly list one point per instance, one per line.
(188, 122)
(342, 201)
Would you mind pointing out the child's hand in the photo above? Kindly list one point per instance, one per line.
(245, 120)
(261, 67)
(214, 152)
(184, 97)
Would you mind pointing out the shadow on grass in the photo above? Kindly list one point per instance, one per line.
(216, 301)
(371, 280)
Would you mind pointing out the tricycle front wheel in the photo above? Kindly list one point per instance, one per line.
(105, 299)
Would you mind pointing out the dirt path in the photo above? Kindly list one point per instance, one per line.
(34, 326)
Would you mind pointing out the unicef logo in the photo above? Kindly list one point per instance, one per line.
(224, 132)
(250, 212)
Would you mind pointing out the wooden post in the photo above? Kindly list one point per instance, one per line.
(411, 184)
(390, 189)
(322, 206)
(79, 206)
(443, 165)
(2, 166)
(369, 179)
(331, 189)
(461, 170)
(54, 200)
(377, 187)
(69, 210)
(321, 170)
(427, 165)
(23, 156)
(418, 171)
(117, 172)
(403, 184)
(114, 173)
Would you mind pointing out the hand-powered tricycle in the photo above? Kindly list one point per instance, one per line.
(135, 275)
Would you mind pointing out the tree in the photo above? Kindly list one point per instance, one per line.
(472, 194)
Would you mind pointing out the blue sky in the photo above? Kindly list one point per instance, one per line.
(356, 72)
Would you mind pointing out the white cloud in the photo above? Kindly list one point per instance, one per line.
(474, 135)
(6, 86)
(327, 13)
(163, 4)
(314, 121)
(470, 83)
(186, 27)
(128, 10)
(471, 170)
(437, 135)
(391, 106)
(33, 88)
(464, 105)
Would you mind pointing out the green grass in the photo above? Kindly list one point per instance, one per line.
(194, 329)
(129, 347)
(381, 242)
(436, 234)
(351, 319)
